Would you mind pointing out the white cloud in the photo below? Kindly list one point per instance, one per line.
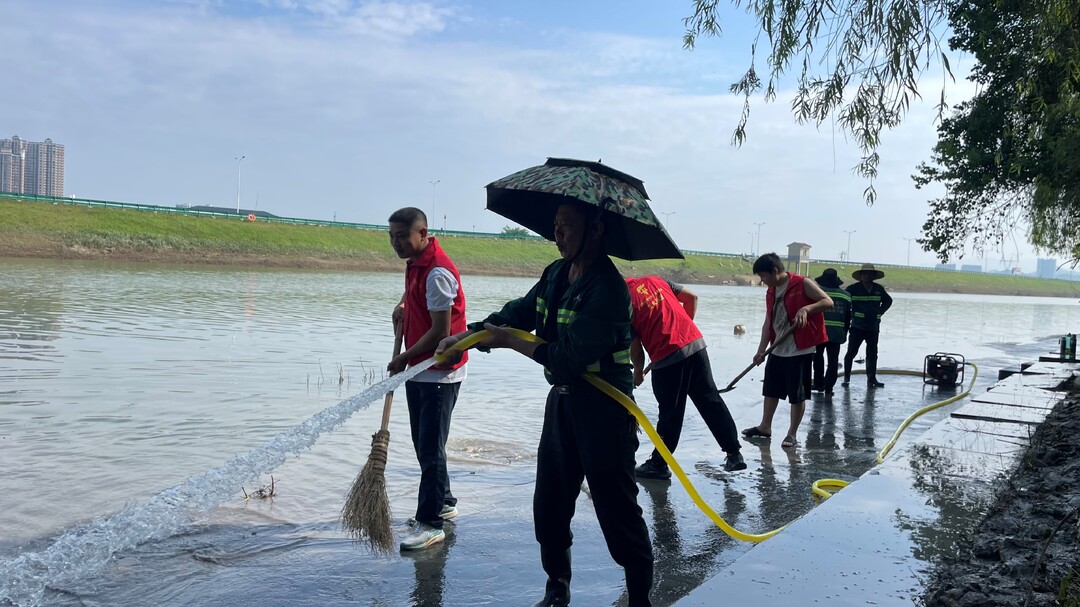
(375, 17)
(396, 18)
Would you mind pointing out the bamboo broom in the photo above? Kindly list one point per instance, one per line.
(366, 512)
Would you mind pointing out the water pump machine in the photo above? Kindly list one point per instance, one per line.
(944, 369)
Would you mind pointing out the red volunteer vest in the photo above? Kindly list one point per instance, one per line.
(794, 298)
(659, 320)
(417, 317)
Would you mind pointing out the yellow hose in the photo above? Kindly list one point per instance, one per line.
(661, 448)
(632, 407)
(903, 426)
(817, 488)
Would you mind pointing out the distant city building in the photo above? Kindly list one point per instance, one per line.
(1010, 271)
(971, 267)
(31, 167)
(945, 266)
(1046, 268)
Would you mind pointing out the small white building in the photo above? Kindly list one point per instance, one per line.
(798, 256)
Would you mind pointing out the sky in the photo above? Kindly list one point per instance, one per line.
(350, 109)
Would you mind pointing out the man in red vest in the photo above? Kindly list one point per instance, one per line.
(792, 305)
(663, 325)
(432, 308)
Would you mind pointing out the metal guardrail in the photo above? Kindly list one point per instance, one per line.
(89, 202)
(713, 254)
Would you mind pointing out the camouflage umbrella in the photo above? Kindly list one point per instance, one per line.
(531, 197)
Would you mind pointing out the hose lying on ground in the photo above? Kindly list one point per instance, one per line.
(948, 401)
(817, 487)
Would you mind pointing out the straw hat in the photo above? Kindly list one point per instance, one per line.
(868, 267)
(829, 279)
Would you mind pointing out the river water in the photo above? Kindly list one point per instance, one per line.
(138, 403)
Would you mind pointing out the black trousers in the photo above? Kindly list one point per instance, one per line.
(587, 435)
(691, 377)
(430, 408)
(856, 337)
(825, 376)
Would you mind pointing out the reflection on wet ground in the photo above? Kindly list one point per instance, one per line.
(878, 540)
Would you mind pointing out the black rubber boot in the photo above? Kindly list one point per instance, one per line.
(557, 594)
(557, 565)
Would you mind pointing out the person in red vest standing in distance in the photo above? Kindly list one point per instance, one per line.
(794, 308)
(432, 308)
(663, 326)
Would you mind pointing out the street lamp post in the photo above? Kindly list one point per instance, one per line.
(849, 233)
(667, 216)
(758, 224)
(909, 250)
(433, 184)
(238, 161)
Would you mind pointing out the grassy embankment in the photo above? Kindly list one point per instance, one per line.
(35, 229)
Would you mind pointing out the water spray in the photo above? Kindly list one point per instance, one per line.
(87, 548)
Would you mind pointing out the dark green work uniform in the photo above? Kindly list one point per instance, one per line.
(867, 306)
(837, 323)
(586, 434)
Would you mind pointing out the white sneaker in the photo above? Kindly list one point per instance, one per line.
(447, 513)
(422, 536)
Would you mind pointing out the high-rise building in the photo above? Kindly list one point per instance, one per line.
(1046, 268)
(31, 167)
(12, 157)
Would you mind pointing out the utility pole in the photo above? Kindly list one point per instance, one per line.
(758, 237)
(849, 233)
(238, 161)
(433, 184)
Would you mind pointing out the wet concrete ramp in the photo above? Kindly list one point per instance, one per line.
(875, 542)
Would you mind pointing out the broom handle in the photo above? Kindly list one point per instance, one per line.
(390, 395)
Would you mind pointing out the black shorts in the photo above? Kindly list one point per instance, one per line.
(788, 377)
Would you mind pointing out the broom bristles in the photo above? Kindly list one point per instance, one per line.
(366, 513)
